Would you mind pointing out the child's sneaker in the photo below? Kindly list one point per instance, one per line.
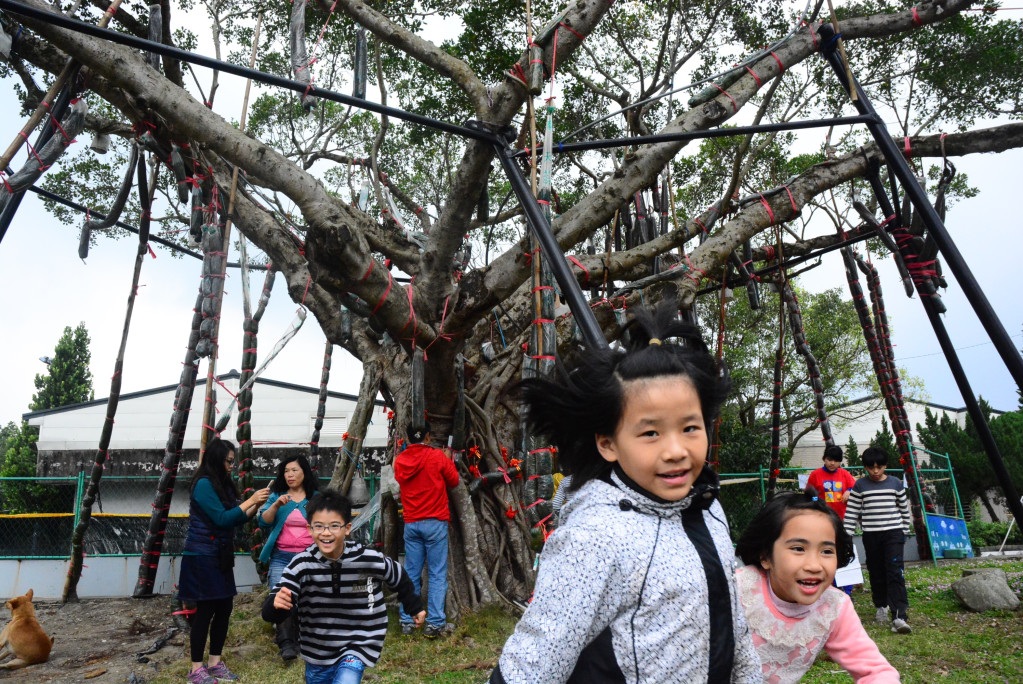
(201, 676)
(407, 628)
(221, 673)
(900, 626)
(882, 615)
(432, 632)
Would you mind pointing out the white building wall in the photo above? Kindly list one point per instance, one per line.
(279, 415)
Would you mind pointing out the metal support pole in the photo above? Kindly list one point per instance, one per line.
(897, 165)
(570, 289)
(935, 226)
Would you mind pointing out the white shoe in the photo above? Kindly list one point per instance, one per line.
(900, 626)
(882, 615)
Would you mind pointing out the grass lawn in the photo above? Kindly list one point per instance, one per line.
(947, 643)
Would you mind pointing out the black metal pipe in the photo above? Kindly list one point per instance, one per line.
(898, 166)
(262, 77)
(698, 135)
(570, 289)
(935, 226)
(987, 440)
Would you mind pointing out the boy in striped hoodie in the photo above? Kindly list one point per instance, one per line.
(335, 588)
(879, 504)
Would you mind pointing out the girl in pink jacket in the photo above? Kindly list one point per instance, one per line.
(792, 550)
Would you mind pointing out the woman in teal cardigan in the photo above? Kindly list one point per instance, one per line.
(207, 564)
(285, 530)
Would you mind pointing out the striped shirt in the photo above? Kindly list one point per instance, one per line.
(340, 604)
(878, 506)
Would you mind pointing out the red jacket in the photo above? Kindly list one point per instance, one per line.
(831, 487)
(424, 474)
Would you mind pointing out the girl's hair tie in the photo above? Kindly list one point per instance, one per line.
(654, 340)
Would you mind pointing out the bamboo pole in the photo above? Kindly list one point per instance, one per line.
(85, 511)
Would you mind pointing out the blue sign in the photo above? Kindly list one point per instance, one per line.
(948, 533)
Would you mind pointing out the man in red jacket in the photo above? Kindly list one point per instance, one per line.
(424, 475)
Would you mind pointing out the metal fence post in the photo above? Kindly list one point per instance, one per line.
(923, 504)
(79, 493)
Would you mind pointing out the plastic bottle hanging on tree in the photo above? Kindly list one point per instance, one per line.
(178, 164)
(359, 64)
(364, 195)
(418, 418)
(535, 74)
(300, 62)
(752, 290)
(155, 33)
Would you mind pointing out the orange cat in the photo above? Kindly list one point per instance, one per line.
(24, 636)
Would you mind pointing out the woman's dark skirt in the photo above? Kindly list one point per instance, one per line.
(201, 579)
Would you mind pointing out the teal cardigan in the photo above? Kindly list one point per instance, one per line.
(278, 524)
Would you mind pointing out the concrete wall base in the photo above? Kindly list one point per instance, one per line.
(104, 577)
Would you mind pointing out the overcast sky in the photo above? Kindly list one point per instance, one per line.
(46, 287)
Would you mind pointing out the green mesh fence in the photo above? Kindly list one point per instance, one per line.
(38, 517)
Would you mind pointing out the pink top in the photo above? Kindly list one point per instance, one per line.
(294, 536)
(787, 646)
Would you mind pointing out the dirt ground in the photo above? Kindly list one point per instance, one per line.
(97, 640)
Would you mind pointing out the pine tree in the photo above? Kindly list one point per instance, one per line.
(69, 380)
(884, 439)
(852, 454)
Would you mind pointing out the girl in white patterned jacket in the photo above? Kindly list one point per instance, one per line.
(636, 585)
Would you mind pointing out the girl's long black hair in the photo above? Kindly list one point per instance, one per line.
(310, 483)
(212, 466)
(588, 400)
(757, 542)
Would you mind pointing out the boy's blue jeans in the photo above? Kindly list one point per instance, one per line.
(348, 670)
(427, 540)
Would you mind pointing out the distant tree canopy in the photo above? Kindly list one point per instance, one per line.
(834, 335)
(69, 380)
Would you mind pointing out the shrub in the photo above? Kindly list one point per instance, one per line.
(992, 533)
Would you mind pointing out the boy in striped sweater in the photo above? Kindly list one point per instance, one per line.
(879, 504)
(335, 587)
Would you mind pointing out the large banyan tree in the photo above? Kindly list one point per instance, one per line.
(407, 244)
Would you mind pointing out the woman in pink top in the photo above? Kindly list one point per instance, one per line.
(285, 532)
(792, 550)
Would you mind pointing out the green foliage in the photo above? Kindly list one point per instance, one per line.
(852, 454)
(19, 460)
(992, 533)
(884, 439)
(69, 380)
(746, 449)
(833, 334)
